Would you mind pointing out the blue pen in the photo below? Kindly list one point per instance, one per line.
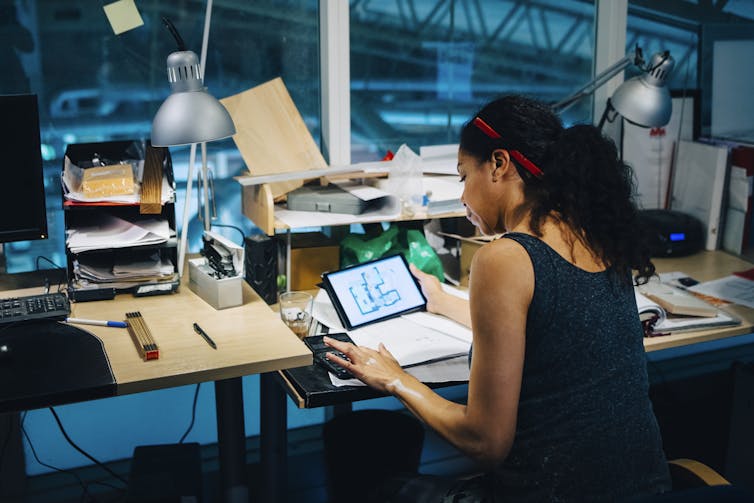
(101, 323)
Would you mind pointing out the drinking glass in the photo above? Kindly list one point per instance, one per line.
(296, 312)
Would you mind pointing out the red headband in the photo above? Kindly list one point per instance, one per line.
(518, 156)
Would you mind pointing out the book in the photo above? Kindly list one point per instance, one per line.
(677, 301)
(656, 319)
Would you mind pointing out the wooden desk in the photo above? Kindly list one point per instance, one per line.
(705, 266)
(251, 339)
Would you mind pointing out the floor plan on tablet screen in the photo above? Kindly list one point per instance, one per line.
(375, 290)
(371, 292)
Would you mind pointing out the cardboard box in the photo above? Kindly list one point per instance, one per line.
(469, 246)
(218, 293)
(312, 253)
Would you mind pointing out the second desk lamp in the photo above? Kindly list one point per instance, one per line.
(643, 100)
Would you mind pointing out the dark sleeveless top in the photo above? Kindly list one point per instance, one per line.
(585, 429)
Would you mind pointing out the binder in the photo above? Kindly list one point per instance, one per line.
(700, 186)
(738, 235)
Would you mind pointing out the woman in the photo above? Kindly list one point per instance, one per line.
(557, 405)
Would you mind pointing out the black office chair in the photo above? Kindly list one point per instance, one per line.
(389, 444)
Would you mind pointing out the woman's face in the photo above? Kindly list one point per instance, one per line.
(479, 198)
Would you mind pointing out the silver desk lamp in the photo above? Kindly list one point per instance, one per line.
(190, 116)
(643, 100)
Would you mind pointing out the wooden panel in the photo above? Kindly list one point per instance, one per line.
(271, 134)
(258, 206)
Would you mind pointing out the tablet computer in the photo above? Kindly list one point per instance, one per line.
(373, 291)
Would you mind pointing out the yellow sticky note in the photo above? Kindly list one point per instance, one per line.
(123, 16)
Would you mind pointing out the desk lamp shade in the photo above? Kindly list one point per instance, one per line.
(190, 114)
(645, 100)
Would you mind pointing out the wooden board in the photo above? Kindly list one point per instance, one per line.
(271, 134)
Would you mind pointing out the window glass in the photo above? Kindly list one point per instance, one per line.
(709, 41)
(654, 33)
(96, 86)
(419, 69)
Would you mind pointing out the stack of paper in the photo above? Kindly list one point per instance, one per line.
(428, 345)
(439, 159)
(122, 270)
(108, 231)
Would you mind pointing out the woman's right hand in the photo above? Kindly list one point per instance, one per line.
(431, 288)
(441, 302)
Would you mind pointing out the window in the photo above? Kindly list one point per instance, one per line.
(692, 31)
(421, 68)
(95, 86)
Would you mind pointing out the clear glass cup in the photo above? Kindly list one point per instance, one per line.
(296, 312)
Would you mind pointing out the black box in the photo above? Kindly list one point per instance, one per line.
(261, 266)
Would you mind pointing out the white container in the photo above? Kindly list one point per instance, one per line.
(218, 293)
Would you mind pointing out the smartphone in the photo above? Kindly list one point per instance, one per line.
(320, 350)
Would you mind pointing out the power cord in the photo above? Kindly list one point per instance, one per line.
(243, 236)
(80, 450)
(193, 415)
(51, 467)
(56, 266)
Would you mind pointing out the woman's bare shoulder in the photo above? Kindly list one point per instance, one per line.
(502, 262)
(504, 253)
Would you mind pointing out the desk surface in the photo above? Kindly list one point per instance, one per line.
(310, 386)
(250, 338)
(705, 266)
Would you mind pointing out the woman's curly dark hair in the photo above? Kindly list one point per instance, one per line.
(585, 183)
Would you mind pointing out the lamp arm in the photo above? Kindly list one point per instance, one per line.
(205, 37)
(634, 58)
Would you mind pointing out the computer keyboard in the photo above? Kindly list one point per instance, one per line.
(44, 306)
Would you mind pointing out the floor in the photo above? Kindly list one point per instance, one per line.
(306, 474)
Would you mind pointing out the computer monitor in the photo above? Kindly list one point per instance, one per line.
(22, 202)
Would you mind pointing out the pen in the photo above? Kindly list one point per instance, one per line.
(101, 323)
(204, 335)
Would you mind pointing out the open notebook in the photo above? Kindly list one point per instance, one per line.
(661, 320)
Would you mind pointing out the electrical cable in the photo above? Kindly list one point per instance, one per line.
(243, 236)
(56, 266)
(193, 415)
(79, 449)
(174, 33)
(51, 467)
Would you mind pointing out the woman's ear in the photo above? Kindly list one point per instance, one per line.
(500, 163)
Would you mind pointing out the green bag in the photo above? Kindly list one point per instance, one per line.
(411, 243)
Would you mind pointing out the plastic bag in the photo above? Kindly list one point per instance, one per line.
(405, 180)
(411, 243)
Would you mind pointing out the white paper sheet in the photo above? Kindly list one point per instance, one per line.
(412, 339)
(731, 288)
(297, 219)
(363, 192)
(439, 159)
(453, 370)
(113, 232)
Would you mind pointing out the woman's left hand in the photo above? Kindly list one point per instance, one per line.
(374, 368)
